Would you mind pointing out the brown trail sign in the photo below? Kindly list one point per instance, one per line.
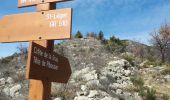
(46, 65)
(45, 25)
(26, 3)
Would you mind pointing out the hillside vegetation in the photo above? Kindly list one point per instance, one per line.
(102, 70)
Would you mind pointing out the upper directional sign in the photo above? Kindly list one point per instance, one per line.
(46, 25)
(26, 3)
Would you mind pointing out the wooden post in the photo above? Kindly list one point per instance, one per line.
(41, 89)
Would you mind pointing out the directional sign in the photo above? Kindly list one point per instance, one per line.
(46, 25)
(45, 65)
(26, 3)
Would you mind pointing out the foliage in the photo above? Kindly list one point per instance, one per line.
(161, 41)
(100, 35)
(129, 58)
(78, 35)
(154, 63)
(22, 49)
(7, 59)
(145, 92)
(115, 45)
(137, 81)
(150, 94)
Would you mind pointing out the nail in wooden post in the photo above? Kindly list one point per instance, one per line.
(41, 89)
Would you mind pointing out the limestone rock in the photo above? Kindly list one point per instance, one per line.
(14, 90)
(83, 87)
(10, 80)
(59, 98)
(167, 78)
(93, 93)
(6, 91)
(2, 81)
(81, 98)
(119, 91)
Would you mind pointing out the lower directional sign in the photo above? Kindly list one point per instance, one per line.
(45, 65)
(46, 25)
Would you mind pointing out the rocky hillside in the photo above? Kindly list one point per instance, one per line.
(97, 75)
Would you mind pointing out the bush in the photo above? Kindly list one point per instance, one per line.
(6, 60)
(115, 45)
(151, 94)
(130, 59)
(137, 81)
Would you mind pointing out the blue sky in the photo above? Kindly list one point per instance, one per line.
(126, 19)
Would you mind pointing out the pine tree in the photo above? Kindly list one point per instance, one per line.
(100, 35)
(78, 35)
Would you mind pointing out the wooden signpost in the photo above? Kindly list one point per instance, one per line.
(26, 3)
(41, 28)
(49, 65)
(45, 25)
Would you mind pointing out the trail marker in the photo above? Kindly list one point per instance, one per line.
(45, 25)
(41, 28)
(46, 65)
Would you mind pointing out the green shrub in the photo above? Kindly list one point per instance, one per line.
(142, 92)
(137, 81)
(154, 63)
(151, 94)
(115, 45)
(130, 59)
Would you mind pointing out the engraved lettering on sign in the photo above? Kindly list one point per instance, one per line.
(44, 58)
(57, 20)
(27, 1)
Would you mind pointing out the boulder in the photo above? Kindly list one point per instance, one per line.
(2, 81)
(107, 98)
(83, 87)
(92, 75)
(59, 98)
(81, 98)
(118, 63)
(6, 91)
(118, 91)
(14, 90)
(127, 72)
(93, 93)
(167, 78)
(10, 80)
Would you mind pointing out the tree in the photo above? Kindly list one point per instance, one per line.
(100, 35)
(115, 45)
(22, 49)
(161, 40)
(91, 34)
(78, 35)
(138, 50)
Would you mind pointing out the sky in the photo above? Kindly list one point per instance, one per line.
(125, 19)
